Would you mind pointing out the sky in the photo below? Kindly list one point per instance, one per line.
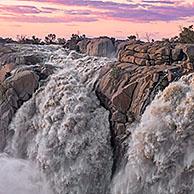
(116, 18)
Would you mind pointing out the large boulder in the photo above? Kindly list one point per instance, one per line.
(101, 47)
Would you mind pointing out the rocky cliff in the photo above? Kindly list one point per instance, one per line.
(128, 86)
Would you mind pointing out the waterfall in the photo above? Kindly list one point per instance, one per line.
(60, 138)
(161, 149)
(63, 130)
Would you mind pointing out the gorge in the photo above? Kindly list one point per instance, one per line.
(120, 122)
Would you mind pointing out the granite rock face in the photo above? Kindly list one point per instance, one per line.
(128, 86)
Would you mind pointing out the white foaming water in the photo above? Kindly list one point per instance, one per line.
(161, 149)
(64, 129)
(21, 177)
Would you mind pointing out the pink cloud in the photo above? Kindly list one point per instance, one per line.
(146, 11)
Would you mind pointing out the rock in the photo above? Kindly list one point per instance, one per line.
(176, 54)
(119, 117)
(13, 55)
(121, 44)
(149, 54)
(101, 47)
(189, 52)
(120, 101)
(120, 129)
(140, 62)
(4, 70)
(13, 92)
(32, 59)
(5, 50)
(163, 51)
(83, 45)
(128, 86)
(24, 84)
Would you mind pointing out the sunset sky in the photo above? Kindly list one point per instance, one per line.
(118, 18)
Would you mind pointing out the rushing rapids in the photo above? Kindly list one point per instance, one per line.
(59, 140)
(64, 130)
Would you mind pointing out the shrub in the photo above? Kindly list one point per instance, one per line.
(24, 40)
(115, 72)
(50, 39)
(36, 40)
(132, 37)
(186, 35)
(72, 43)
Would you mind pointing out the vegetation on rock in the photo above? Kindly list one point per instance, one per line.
(187, 35)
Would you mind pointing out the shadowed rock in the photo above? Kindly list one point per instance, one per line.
(13, 92)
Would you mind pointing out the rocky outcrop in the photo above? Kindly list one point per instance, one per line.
(157, 53)
(17, 89)
(121, 44)
(18, 81)
(13, 92)
(127, 87)
(101, 47)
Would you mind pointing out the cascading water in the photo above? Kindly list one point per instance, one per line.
(64, 130)
(161, 149)
(61, 140)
